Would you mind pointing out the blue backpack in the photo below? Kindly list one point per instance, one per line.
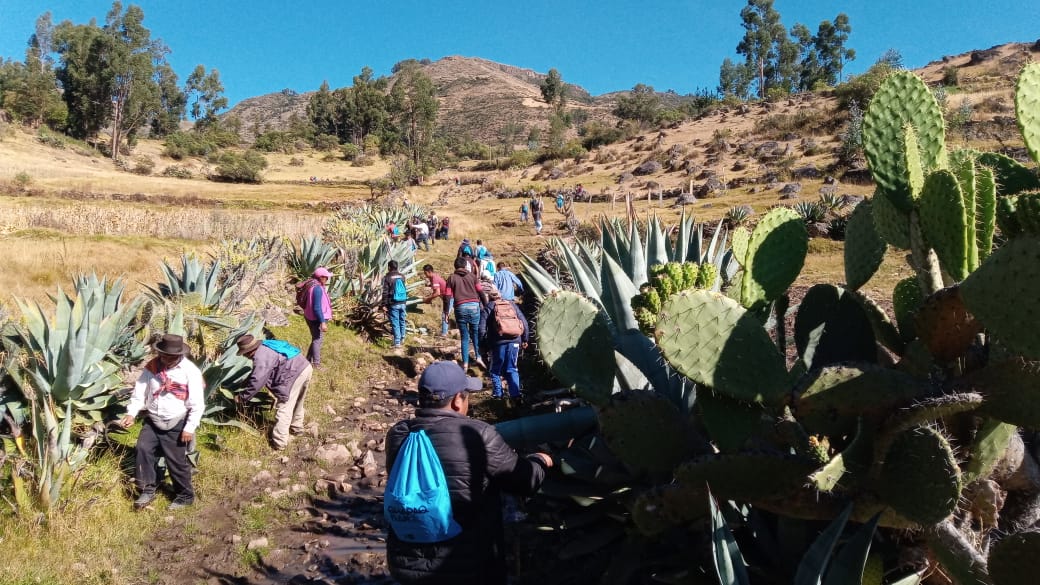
(416, 501)
(400, 290)
(283, 347)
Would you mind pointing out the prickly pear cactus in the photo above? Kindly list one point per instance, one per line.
(1012, 561)
(576, 344)
(832, 326)
(1011, 273)
(1011, 389)
(624, 423)
(920, 478)
(902, 99)
(712, 340)
(906, 299)
(890, 223)
(774, 255)
(666, 280)
(864, 248)
(944, 325)
(1012, 177)
(831, 400)
(1027, 107)
(944, 221)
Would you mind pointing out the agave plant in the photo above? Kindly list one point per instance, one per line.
(312, 252)
(360, 294)
(246, 264)
(195, 278)
(69, 380)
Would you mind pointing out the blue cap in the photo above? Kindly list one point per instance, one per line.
(444, 379)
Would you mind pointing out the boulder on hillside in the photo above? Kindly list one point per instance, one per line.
(791, 188)
(648, 168)
(806, 172)
(625, 177)
(556, 173)
(711, 188)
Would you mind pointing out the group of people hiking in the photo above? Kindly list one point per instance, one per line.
(534, 207)
(419, 231)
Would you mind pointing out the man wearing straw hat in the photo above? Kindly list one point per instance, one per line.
(283, 369)
(171, 391)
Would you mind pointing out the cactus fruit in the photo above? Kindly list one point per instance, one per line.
(944, 222)
(711, 340)
(830, 400)
(575, 342)
(746, 476)
(666, 280)
(1010, 273)
(864, 248)
(906, 299)
(1027, 108)
(1012, 561)
(902, 99)
(920, 478)
(945, 325)
(633, 425)
(891, 224)
(769, 269)
(832, 327)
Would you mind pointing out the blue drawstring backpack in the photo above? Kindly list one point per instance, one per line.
(416, 501)
(283, 347)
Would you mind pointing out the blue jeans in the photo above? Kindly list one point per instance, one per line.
(467, 316)
(448, 304)
(503, 365)
(397, 322)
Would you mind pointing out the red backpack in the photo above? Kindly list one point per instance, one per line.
(506, 320)
(303, 292)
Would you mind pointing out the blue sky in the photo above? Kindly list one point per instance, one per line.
(263, 46)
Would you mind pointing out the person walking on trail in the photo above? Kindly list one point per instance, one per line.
(442, 231)
(482, 251)
(431, 223)
(395, 295)
(507, 283)
(439, 288)
(317, 311)
(536, 214)
(468, 298)
(465, 249)
(422, 234)
(479, 467)
(171, 392)
(504, 331)
(281, 368)
(559, 201)
(523, 212)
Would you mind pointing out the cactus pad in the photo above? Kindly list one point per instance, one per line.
(829, 401)
(1012, 176)
(906, 299)
(1012, 561)
(575, 342)
(987, 449)
(1002, 295)
(902, 99)
(746, 476)
(713, 341)
(920, 479)
(729, 423)
(1011, 389)
(864, 248)
(985, 211)
(831, 326)
(945, 325)
(646, 432)
(1027, 107)
(944, 222)
(775, 255)
(663, 507)
(891, 224)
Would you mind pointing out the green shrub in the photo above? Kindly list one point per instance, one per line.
(143, 165)
(595, 134)
(350, 151)
(276, 141)
(950, 76)
(861, 88)
(177, 172)
(23, 180)
(326, 142)
(51, 140)
(233, 167)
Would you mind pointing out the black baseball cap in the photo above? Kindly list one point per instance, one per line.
(444, 379)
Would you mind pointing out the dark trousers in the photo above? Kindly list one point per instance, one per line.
(154, 442)
(317, 337)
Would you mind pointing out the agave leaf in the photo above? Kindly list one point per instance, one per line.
(814, 563)
(729, 564)
(656, 243)
(637, 257)
(848, 565)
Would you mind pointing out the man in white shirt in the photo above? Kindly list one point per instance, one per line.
(422, 234)
(171, 392)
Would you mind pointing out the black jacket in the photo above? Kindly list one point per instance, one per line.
(478, 465)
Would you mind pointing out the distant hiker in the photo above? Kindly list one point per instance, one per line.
(395, 293)
(468, 298)
(442, 232)
(482, 251)
(504, 331)
(431, 223)
(171, 392)
(439, 289)
(478, 466)
(523, 212)
(281, 368)
(559, 201)
(536, 214)
(422, 234)
(392, 231)
(507, 282)
(317, 311)
(465, 249)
